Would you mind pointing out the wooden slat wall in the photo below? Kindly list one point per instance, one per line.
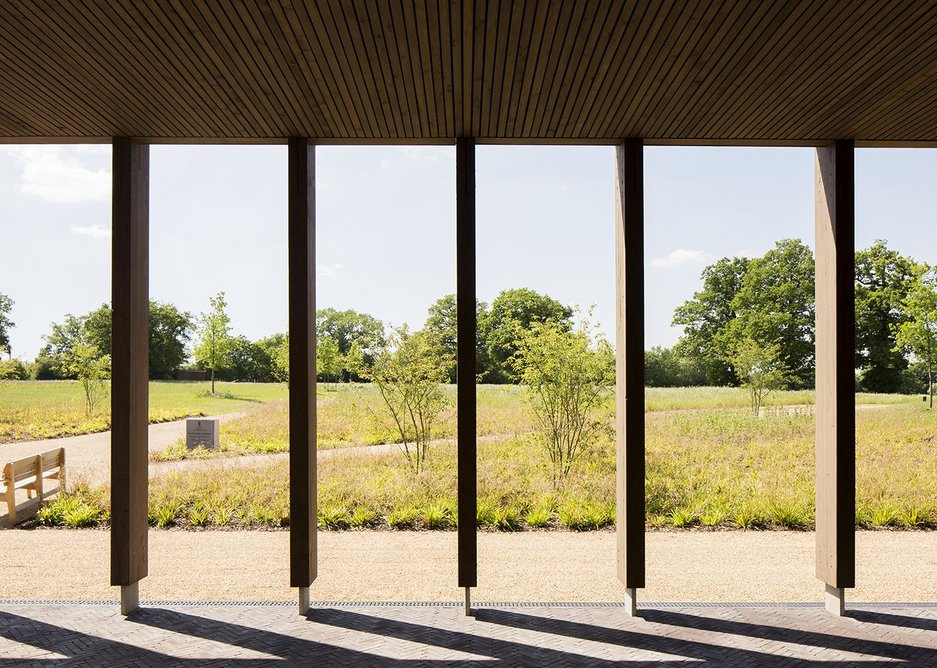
(714, 71)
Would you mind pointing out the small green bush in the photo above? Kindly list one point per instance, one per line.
(507, 519)
(334, 518)
(438, 516)
(403, 518)
(538, 518)
(363, 518)
(683, 517)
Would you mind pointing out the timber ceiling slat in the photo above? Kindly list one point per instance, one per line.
(621, 26)
(400, 69)
(560, 31)
(886, 69)
(356, 73)
(531, 64)
(581, 32)
(516, 52)
(541, 66)
(702, 64)
(683, 58)
(425, 67)
(604, 115)
(39, 66)
(719, 85)
(657, 71)
(297, 55)
(187, 75)
(215, 42)
(710, 71)
(782, 52)
(767, 100)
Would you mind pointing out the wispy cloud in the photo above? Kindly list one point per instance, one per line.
(61, 174)
(681, 256)
(328, 272)
(93, 231)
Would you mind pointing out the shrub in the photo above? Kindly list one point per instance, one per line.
(683, 517)
(507, 519)
(403, 518)
(585, 516)
(13, 370)
(438, 516)
(334, 518)
(363, 518)
(538, 518)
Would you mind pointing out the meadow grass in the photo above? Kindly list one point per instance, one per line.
(353, 415)
(51, 409)
(708, 469)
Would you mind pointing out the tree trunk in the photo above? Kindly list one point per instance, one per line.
(213, 380)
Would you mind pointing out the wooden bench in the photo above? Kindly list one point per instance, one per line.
(30, 475)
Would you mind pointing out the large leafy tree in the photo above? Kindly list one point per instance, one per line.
(350, 329)
(169, 332)
(706, 317)
(884, 279)
(442, 323)
(6, 306)
(775, 306)
(919, 332)
(512, 313)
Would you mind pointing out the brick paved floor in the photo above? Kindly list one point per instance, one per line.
(387, 634)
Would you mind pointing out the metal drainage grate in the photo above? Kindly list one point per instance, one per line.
(166, 603)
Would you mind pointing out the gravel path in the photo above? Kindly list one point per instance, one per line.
(420, 566)
(89, 456)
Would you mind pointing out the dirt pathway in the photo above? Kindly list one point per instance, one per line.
(89, 456)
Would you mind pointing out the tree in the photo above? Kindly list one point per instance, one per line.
(568, 374)
(442, 324)
(170, 332)
(408, 371)
(919, 332)
(346, 328)
(760, 369)
(6, 306)
(56, 357)
(706, 317)
(275, 351)
(512, 313)
(775, 305)
(329, 361)
(215, 341)
(669, 367)
(883, 281)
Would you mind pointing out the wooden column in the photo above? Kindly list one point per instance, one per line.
(466, 353)
(129, 367)
(629, 357)
(302, 349)
(835, 364)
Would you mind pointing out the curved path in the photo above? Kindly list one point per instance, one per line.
(89, 456)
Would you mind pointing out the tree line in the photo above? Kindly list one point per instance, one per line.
(758, 314)
(348, 341)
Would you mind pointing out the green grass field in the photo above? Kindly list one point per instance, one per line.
(710, 463)
(50, 409)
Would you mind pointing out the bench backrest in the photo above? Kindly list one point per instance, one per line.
(25, 468)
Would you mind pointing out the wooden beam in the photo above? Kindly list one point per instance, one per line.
(466, 328)
(129, 360)
(629, 357)
(836, 381)
(302, 344)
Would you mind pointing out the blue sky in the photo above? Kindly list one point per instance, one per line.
(386, 225)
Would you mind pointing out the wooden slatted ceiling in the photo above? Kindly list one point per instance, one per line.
(710, 71)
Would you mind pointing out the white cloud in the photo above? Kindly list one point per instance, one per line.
(93, 231)
(61, 174)
(681, 256)
(328, 272)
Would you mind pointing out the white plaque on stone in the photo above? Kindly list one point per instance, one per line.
(201, 432)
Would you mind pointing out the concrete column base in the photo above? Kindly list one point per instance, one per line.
(468, 601)
(835, 600)
(303, 601)
(631, 601)
(129, 598)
